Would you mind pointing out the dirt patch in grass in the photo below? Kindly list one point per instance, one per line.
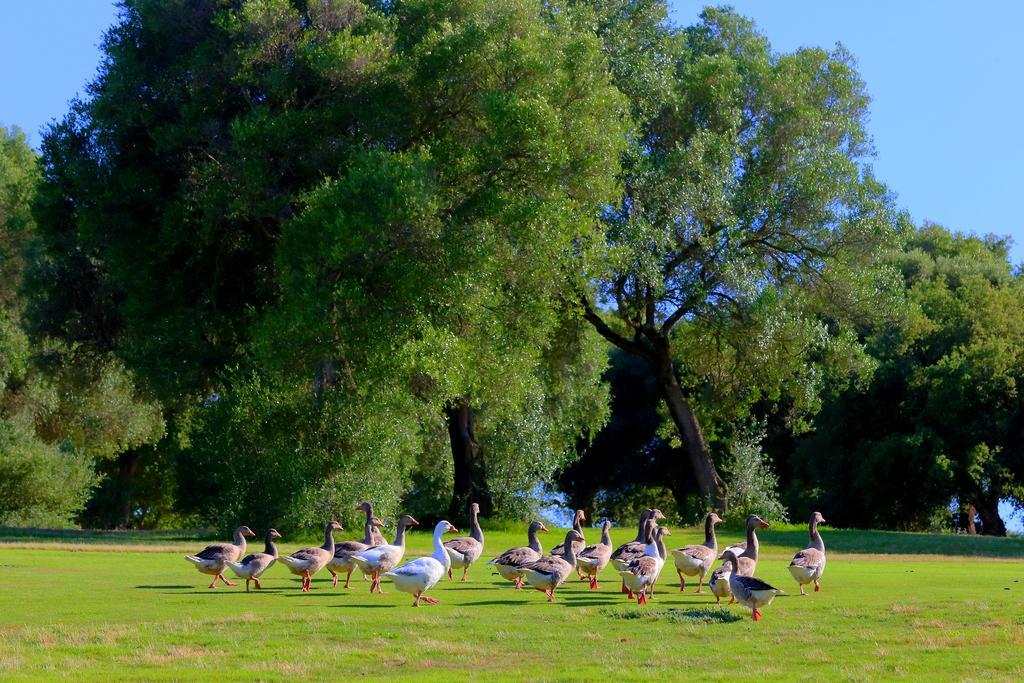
(676, 615)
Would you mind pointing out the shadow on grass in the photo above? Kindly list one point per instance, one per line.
(168, 587)
(689, 615)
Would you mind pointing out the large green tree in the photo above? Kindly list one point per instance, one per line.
(941, 419)
(372, 211)
(63, 409)
(744, 183)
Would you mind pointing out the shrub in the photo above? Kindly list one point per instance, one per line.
(753, 486)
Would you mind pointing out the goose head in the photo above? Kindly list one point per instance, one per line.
(754, 521)
(377, 522)
(537, 526)
(407, 520)
(816, 518)
(245, 531)
(713, 518)
(445, 527)
(729, 556)
(365, 507)
(272, 534)
(474, 508)
(333, 526)
(657, 514)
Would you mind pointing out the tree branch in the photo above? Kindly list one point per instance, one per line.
(611, 335)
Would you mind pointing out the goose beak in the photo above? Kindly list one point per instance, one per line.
(452, 529)
(543, 528)
(413, 522)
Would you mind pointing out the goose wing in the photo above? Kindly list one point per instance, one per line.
(809, 558)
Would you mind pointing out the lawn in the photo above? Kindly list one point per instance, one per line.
(126, 606)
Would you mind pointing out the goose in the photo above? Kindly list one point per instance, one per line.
(343, 552)
(376, 537)
(509, 563)
(309, 561)
(696, 560)
(418, 576)
(809, 564)
(640, 575)
(746, 561)
(381, 558)
(251, 567)
(465, 550)
(594, 558)
(627, 552)
(634, 552)
(548, 573)
(213, 558)
(747, 590)
(577, 523)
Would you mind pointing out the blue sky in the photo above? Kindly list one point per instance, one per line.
(945, 78)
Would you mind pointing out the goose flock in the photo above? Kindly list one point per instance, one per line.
(638, 562)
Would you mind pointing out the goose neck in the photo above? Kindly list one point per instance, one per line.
(400, 533)
(752, 543)
(642, 527)
(709, 534)
(329, 539)
(475, 531)
(533, 541)
(368, 526)
(440, 554)
(570, 554)
(815, 537)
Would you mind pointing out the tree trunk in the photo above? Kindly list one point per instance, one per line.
(470, 475)
(127, 466)
(987, 506)
(710, 484)
(967, 512)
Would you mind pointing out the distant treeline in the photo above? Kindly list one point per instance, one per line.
(287, 255)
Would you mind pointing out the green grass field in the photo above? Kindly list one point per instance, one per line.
(127, 606)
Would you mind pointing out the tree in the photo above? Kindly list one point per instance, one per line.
(745, 180)
(61, 409)
(940, 421)
(454, 286)
(357, 199)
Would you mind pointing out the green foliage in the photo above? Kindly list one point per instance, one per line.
(41, 484)
(396, 198)
(741, 251)
(61, 406)
(753, 486)
(944, 407)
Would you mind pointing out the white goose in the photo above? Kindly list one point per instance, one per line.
(640, 574)
(382, 558)
(420, 575)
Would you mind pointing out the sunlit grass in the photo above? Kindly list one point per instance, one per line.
(137, 614)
